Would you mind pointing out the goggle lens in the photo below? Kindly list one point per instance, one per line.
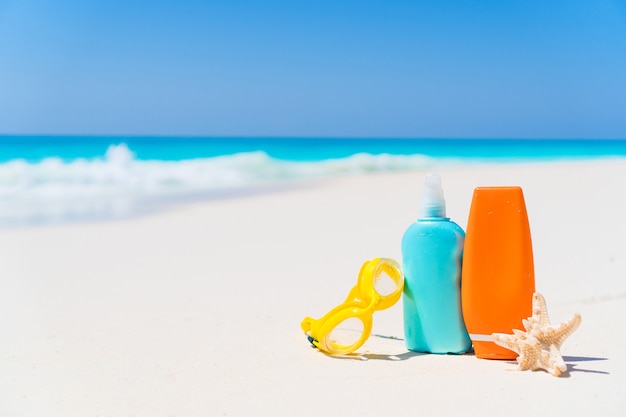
(345, 335)
(384, 285)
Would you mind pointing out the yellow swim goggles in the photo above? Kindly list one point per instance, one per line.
(346, 327)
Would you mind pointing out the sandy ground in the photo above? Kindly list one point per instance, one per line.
(195, 311)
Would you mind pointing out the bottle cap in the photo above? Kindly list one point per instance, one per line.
(433, 203)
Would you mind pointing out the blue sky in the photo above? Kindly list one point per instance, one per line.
(494, 69)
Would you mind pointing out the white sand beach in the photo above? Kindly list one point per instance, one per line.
(195, 311)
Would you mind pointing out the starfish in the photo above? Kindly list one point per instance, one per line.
(539, 346)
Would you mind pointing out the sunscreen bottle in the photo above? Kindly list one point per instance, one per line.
(498, 270)
(432, 251)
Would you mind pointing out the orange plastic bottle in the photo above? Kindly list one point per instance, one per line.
(498, 270)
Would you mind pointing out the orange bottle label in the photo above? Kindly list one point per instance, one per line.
(498, 279)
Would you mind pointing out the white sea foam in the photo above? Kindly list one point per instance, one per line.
(118, 184)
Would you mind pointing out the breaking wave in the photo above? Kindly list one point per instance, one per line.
(119, 185)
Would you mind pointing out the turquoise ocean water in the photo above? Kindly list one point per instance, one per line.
(53, 179)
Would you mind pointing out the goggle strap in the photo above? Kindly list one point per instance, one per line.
(314, 342)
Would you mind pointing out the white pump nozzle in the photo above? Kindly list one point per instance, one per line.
(433, 202)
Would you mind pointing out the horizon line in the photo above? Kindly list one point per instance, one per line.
(306, 137)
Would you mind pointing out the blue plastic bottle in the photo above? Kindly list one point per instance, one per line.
(432, 252)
